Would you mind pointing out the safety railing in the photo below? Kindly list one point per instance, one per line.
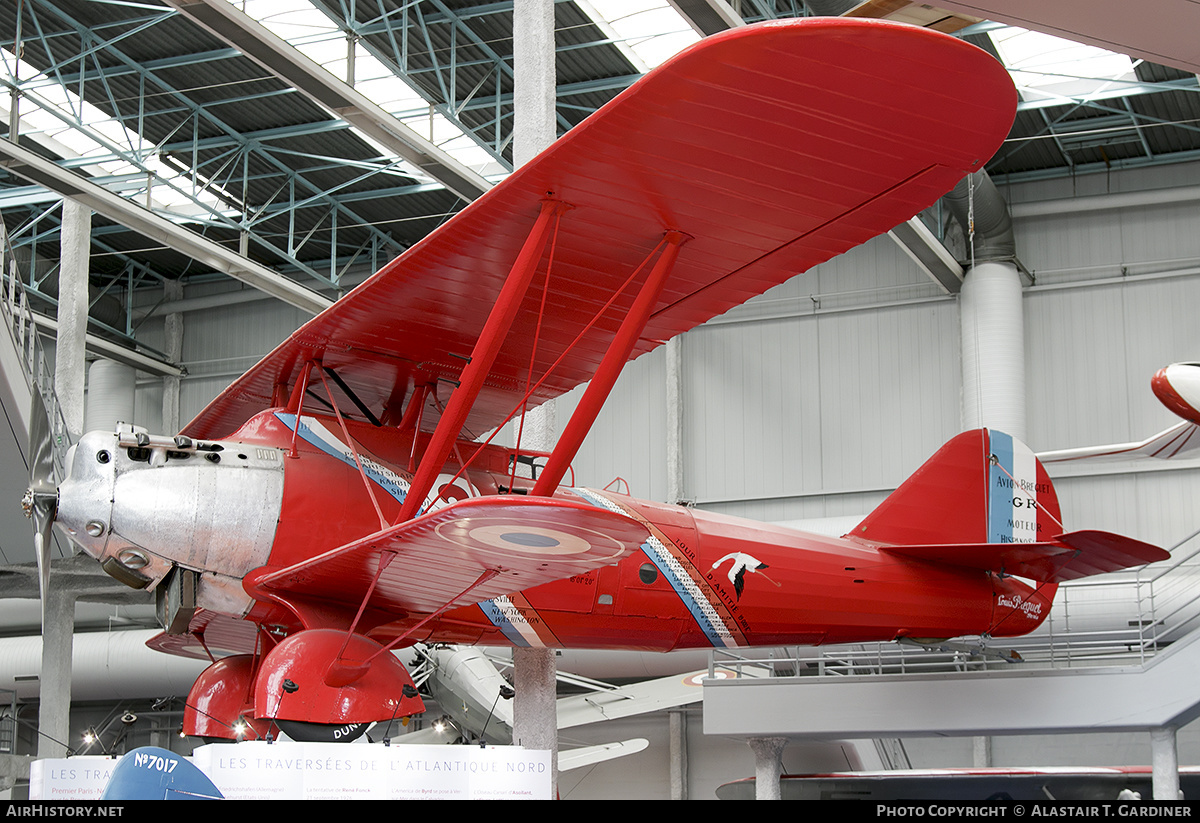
(37, 371)
(8, 721)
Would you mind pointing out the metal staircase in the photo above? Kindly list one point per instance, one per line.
(8, 721)
(25, 367)
(23, 333)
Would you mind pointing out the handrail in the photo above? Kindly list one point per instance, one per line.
(19, 322)
(8, 721)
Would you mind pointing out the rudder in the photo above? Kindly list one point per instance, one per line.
(983, 486)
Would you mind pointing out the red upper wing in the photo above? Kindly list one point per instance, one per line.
(775, 147)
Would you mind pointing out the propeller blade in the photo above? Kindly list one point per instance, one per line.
(43, 521)
(41, 499)
(41, 449)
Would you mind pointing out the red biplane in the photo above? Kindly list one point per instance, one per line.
(334, 502)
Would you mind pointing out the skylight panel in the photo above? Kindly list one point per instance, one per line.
(374, 80)
(651, 29)
(75, 129)
(648, 31)
(298, 23)
(317, 37)
(1043, 66)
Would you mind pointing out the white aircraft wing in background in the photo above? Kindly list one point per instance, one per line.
(1178, 388)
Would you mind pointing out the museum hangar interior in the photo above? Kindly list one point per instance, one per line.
(216, 177)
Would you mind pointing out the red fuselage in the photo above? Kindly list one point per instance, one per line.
(701, 580)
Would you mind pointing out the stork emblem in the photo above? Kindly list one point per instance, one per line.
(743, 563)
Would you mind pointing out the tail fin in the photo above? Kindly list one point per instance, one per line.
(981, 487)
(985, 501)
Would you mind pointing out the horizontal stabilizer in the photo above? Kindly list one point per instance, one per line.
(1181, 440)
(432, 561)
(1067, 556)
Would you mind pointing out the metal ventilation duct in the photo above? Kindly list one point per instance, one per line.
(990, 311)
(110, 397)
(976, 196)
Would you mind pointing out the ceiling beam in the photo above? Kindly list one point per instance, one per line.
(275, 55)
(114, 351)
(929, 254)
(37, 169)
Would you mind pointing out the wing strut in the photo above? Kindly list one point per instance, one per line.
(412, 419)
(482, 356)
(296, 404)
(610, 367)
(342, 671)
(383, 524)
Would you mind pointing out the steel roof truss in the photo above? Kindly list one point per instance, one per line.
(196, 112)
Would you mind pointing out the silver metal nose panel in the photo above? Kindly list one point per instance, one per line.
(213, 512)
(146, 508)
(85, 496)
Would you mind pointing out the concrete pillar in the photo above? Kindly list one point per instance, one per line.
(768, 766)
(535, 710)
(54, 681)
(14, 114)
(534, 80)
(679, 754)
(535, 715)
(981, 751)
(993, 349)
(110, 396)
(1164, 764)
(69, 360)
(538, 428)
(675, 490)
(173, 349)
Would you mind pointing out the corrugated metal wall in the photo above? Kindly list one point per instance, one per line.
(819, 397)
